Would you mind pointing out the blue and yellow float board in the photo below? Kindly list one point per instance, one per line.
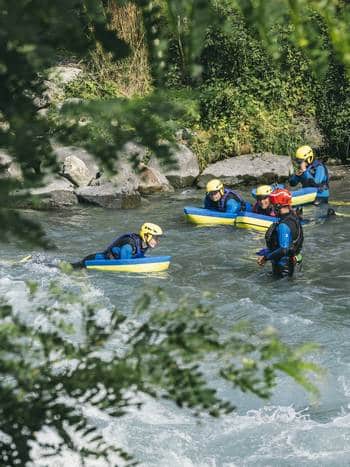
(299, 197)
(244, 220)
(304, 196)
(250, 220)
(150, 264)
(203, 216)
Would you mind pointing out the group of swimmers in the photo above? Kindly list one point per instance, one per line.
(284, 239)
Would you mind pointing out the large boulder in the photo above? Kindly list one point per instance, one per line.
(57, 193)
(248, 169)
(185, 169)
(9, 168)
(108, 196)
(62, 152)
(125, 176)
(125, 179)
(152, 180)
(75, 170)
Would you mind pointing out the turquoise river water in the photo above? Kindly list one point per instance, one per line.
(288, 430)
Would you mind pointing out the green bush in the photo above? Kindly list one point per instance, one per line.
(242, 122)
(247, 102)
(89, 87)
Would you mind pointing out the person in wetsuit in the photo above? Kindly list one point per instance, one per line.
(219, 198)
(310, 173)
(263, 203)
(284, 239)
(128, 246)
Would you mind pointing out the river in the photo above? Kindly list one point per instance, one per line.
(289, 429)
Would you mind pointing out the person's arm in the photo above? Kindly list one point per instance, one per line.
(320, 175)
(207, 203)
(294, 180)
(232, 206)
(285, 240)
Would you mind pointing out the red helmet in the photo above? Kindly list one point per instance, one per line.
(281, 196)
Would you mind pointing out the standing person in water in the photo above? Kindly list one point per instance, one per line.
(219, 198)
(263, 203)
(284, 239)
(128, 246)
(310, 173)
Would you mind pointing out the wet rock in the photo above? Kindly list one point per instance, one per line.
(58, 193)
(185, 169)
(152, 180)
(248, 169)
(108, 196)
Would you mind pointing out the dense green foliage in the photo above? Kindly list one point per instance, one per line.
(249, 102)
(77, 352)
(265, 81)
(333, 111)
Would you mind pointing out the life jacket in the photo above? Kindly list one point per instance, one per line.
(293, 222)
(230, 194)
(132, 239)
(312, 169)
(265, 212)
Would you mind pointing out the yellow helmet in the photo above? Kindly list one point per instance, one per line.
(304, 153)
(149, 230)
(215, 185)
(263, 190)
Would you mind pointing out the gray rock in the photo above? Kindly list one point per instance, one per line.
(251, 168)
(62, 152)
(339, 172)
(58, 78)
(58, 193)
(132, 151)
(9, 168)
(75, 170)
(108, 196)
(5, 160)
(152, 180)
(186, 170)
(126, 179)
(15, 171)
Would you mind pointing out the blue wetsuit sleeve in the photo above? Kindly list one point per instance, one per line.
(208, 204)
(284, 236)
(320, 175)
(294, 180)
(126, 252)
(232, 206)
(309, 178)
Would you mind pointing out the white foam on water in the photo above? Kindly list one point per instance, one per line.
(345, 383)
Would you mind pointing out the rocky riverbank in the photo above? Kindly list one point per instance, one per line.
(80, 180)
